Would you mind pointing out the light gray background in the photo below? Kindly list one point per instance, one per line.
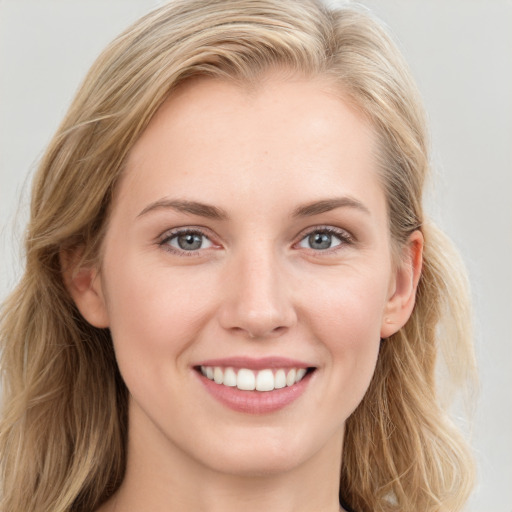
(460, 52)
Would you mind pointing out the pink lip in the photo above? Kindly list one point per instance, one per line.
(255, 363)
(254, 402)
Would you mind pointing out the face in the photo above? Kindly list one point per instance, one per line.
(248, 247)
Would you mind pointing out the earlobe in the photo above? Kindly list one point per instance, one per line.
(85, 287)
(401, 302)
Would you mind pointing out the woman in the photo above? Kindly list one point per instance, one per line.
(232, 297)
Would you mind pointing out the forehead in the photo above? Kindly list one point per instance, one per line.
(295, 133)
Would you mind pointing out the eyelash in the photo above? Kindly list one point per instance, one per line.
(170, 235)
(344, 237)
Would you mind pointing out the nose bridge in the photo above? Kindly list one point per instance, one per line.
(259, 303)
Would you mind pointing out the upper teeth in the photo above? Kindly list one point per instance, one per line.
(248, 380)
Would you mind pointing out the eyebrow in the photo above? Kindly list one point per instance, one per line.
(326, 205)
(191, 207)
(213, 212)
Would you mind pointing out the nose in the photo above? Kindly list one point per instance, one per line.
(257, 301)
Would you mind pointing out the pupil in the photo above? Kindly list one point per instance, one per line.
(189, 242)
(320, 241)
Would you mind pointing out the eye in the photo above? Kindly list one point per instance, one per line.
(324, 239)
(187, 240)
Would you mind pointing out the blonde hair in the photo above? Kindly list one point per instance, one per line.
(64, 419)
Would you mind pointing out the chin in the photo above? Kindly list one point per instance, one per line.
(263, 454)
(257, 464)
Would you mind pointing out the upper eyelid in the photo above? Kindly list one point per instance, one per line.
(326, 227)
(204, 231)
(163, 241)
(347, 240)
(200, 230)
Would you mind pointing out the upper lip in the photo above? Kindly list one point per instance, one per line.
(255, 363)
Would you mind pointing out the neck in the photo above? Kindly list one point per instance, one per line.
(170, 480)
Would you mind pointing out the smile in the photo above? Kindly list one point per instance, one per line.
(267, 379)
(255, 386)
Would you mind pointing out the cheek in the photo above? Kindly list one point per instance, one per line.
(346, 318)
(154, 313)
(348, 308)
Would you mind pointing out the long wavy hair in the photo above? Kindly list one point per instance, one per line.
(64, 418)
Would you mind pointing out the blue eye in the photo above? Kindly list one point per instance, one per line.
(188, 241)
(323, 239)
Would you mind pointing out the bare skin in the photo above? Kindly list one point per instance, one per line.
(248, 224)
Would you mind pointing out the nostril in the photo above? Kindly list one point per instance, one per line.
(276, 331)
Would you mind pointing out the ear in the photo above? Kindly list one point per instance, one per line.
(85, 287)
(403, 287)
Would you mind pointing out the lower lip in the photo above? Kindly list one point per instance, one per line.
(255, 402)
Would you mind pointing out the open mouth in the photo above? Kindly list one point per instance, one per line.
(244, 379)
